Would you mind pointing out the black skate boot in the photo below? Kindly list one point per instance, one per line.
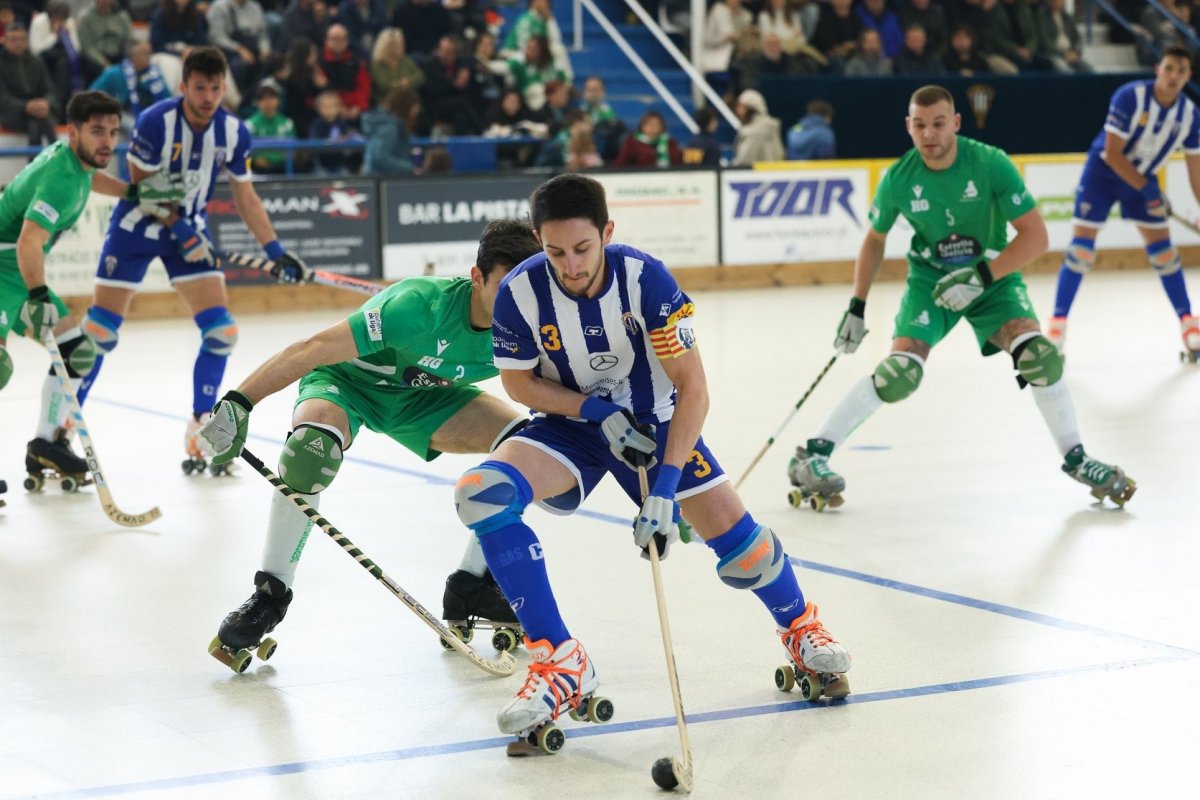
(245, 628)
(3, 489)
(476, 602)
(52, 460)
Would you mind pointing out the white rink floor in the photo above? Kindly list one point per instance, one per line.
(1010, 637)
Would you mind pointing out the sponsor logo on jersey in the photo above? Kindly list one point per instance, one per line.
(816, 197)
(1016, 198)
(374, 324)
(917, 189)
(420, 379)
(970, 193)
(603, 361)
(593, 330)
(442, 344)
(685, 311)
(919, 205)
(46, 210)
(664, 309)
(429, 361)
(956, 249)
(501, 344)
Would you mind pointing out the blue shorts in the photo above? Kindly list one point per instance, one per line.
(1100, 187)
(125, 258)
(580, 448)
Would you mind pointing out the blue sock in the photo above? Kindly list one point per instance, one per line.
(782, 596)
(1177, 292)
(210, 367)
(88, 380)
(514, 556)
(1064, 296)
(105, 321)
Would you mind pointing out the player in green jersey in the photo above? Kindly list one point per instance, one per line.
(403, 365)
(959, 195)
(46, 198)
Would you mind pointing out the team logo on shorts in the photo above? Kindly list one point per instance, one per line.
(603, 361)
(110, 265)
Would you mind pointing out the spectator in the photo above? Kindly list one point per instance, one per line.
(268, 123)
(302, 80)
(556, 151)
(1058, 38)
(388, 131)
(467, 19)
(44, 27)
(963, 58)
(7, 17)
(1011, 32)
(303, 19)
(424, 22)
(558, 104)
(437, 161)
(772, 62)
(723, 28)
(759, 138)
(703, 150)
(917, 58)
(177, 26)
(607, 128)
(363, 20)
(778, 17)
(391, 66)
(812, 139)
(69, 69)
(538, 21)
(239, 28)
(346, 72)
(651, 146)
(511, 117)
(536, 70)
(446, 95)
(876, 15)
(135, 82)
(837, 32)
(869, 61)
(932, 17)
(581, 150)
(490, 76)
(105, 33)
(140, 11)
(332, 125)
(27, 100)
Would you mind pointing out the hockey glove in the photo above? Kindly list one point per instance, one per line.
(290, 269)
(1156, 204)
(193, 245)
(158, 194)
(39, 313)
(625, 437)
(958, 289)
(852, 328)
(658, 520)
(224, 433)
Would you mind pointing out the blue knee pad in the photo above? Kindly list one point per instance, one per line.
(1080, 256)
(102, 326)
(755, 563)
(1164, 258)
(218, 331)
(491, 496)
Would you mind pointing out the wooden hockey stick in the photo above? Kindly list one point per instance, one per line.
(319, 276)
(89, 450)
(1185, 222)
(681, 770)
(504, 665)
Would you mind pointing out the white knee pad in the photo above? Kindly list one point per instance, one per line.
(1165, 261)
(220, 336)
(1080, 256)
(756, 563)
(490, 496)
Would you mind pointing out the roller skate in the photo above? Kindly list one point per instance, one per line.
(3, 489)
(815, 483)
(817, 660)
(54, 460)
(471, 602)
(1056, 331)
(197, 458)
(245, 628)
(559, 679)
(1190, 329)
(1105, 480)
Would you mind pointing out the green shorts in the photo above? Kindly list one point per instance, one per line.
(920, 318)
(13, 294)
(409, 416)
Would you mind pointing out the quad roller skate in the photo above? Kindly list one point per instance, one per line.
(1105, 480)
(471, 602)
(815, 483)
(197, 459)
(3, 489)
(817, 661)
(54, 460)
(245, 628)
(1189, 326)
(559, 679)
(1056, 332)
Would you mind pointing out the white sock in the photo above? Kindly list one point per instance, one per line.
(55, 406)
(858, 404)
(287, 532)
(473, 560)
(1054, 402)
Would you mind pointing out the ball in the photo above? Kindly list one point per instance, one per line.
(663, 775)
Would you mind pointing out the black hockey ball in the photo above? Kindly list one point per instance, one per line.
(663, 775)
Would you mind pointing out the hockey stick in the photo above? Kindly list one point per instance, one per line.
(503, 666)
(796, 408)
(319, 276)
(682, 771)
(1185, 222)
(89, 450)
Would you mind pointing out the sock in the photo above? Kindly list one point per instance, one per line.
(516, 561)
(1054, 402)
(1064, 295)
(287, 533)
(852, 411)
(55, 407)
(782, 596)
(473, 560)
(1177, 292)
(209, 369)
(85, 386)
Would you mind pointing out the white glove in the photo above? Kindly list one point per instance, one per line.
(223, 435)
(958, 289)
(852, 328)
(193, 245)
(622, 433)
(159, 194)
(656, 521)
(39, 313)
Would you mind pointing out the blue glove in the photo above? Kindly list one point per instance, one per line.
(658, 520)
(194, 245)
(623, 434)
(288, 268)
(1156, 204)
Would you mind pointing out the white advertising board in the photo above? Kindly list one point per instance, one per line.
(670, 215)
(71, 264)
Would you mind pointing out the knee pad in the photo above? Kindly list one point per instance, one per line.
(218, 331)
(311, 458)
(491, 496)
(6, 367)
(898, 376)
(78, 352)
(754, 564)
(1080, 256)
(1164, 258)
(1037, 361)
(101, 325)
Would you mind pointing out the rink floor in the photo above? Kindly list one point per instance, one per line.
(1010, 637)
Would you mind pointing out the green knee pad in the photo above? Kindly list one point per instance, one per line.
(897, 377)
(6, 367)
(311, 458)
(79, 354)
(1038, 362)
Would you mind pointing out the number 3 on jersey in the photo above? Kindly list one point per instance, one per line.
(550, 340)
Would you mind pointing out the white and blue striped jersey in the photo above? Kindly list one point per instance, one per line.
(1151, 132)
(163, 139)
(608, 346)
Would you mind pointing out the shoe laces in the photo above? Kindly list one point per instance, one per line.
(813, 630)
(544, 671)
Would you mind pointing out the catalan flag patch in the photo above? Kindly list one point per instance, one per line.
(673, 340)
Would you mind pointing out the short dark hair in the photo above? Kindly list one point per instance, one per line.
(931, 95)
(1177, 51)
(569, 196)
(705, 117)
(208, 61)
(505, 243)
(85, 105)
(823, 108)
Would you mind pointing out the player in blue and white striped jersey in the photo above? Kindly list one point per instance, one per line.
(1147, 121)
(597, 338)
(194, 139)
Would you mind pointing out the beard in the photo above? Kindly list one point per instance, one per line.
(92, 158)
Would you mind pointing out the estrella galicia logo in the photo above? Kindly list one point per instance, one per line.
(956, 249)
(603, 361)
(813, 197)
(420, 379)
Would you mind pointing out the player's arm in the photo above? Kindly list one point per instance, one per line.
(31, 253)
(103, 183)
(691, 406)
(541, 394)
(1114, 156)
(1031, 241)
(870, 259)
(288, 267)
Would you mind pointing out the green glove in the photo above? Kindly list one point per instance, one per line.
(958, 289)
(39, 313)
(224, 432)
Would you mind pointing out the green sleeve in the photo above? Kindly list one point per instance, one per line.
(1009, 190)
(883, 211)
(53, 199)
(392, 320)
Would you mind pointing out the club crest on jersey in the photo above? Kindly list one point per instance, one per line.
(630, 322)
(970, 193)
(603, 361)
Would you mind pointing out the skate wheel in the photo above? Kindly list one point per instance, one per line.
(69, 484)
(810, 687)
(578, 714)
(201, 465)
(461, 633)
(817, 503)
(187, 466)
(266, 649)
(241, 660)
(33, 484)
(505, 640)
(550, 739)
(599, 709)
(785, 678)
(837, 686)
(795, 498)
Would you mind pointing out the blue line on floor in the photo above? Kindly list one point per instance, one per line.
(608, 729)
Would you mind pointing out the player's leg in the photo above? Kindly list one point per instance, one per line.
(203, 290)
(1078, 261)
(123, 264)
(1164, 258)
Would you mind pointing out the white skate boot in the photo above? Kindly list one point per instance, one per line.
(559, 679)
(1105, 480)
(815, 483)
(197, 457)
(817, 659)
(1056, 332)
(1189, 327)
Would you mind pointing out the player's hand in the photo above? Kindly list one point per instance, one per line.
(162, 187)
(1156, 205)
(194, 245)
(958, 289)
(657, 523)
(852, 328)
(623, 434)
(224, 433)
(39, 313)
(290, 269)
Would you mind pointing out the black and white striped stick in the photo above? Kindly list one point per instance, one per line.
(318, 276)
